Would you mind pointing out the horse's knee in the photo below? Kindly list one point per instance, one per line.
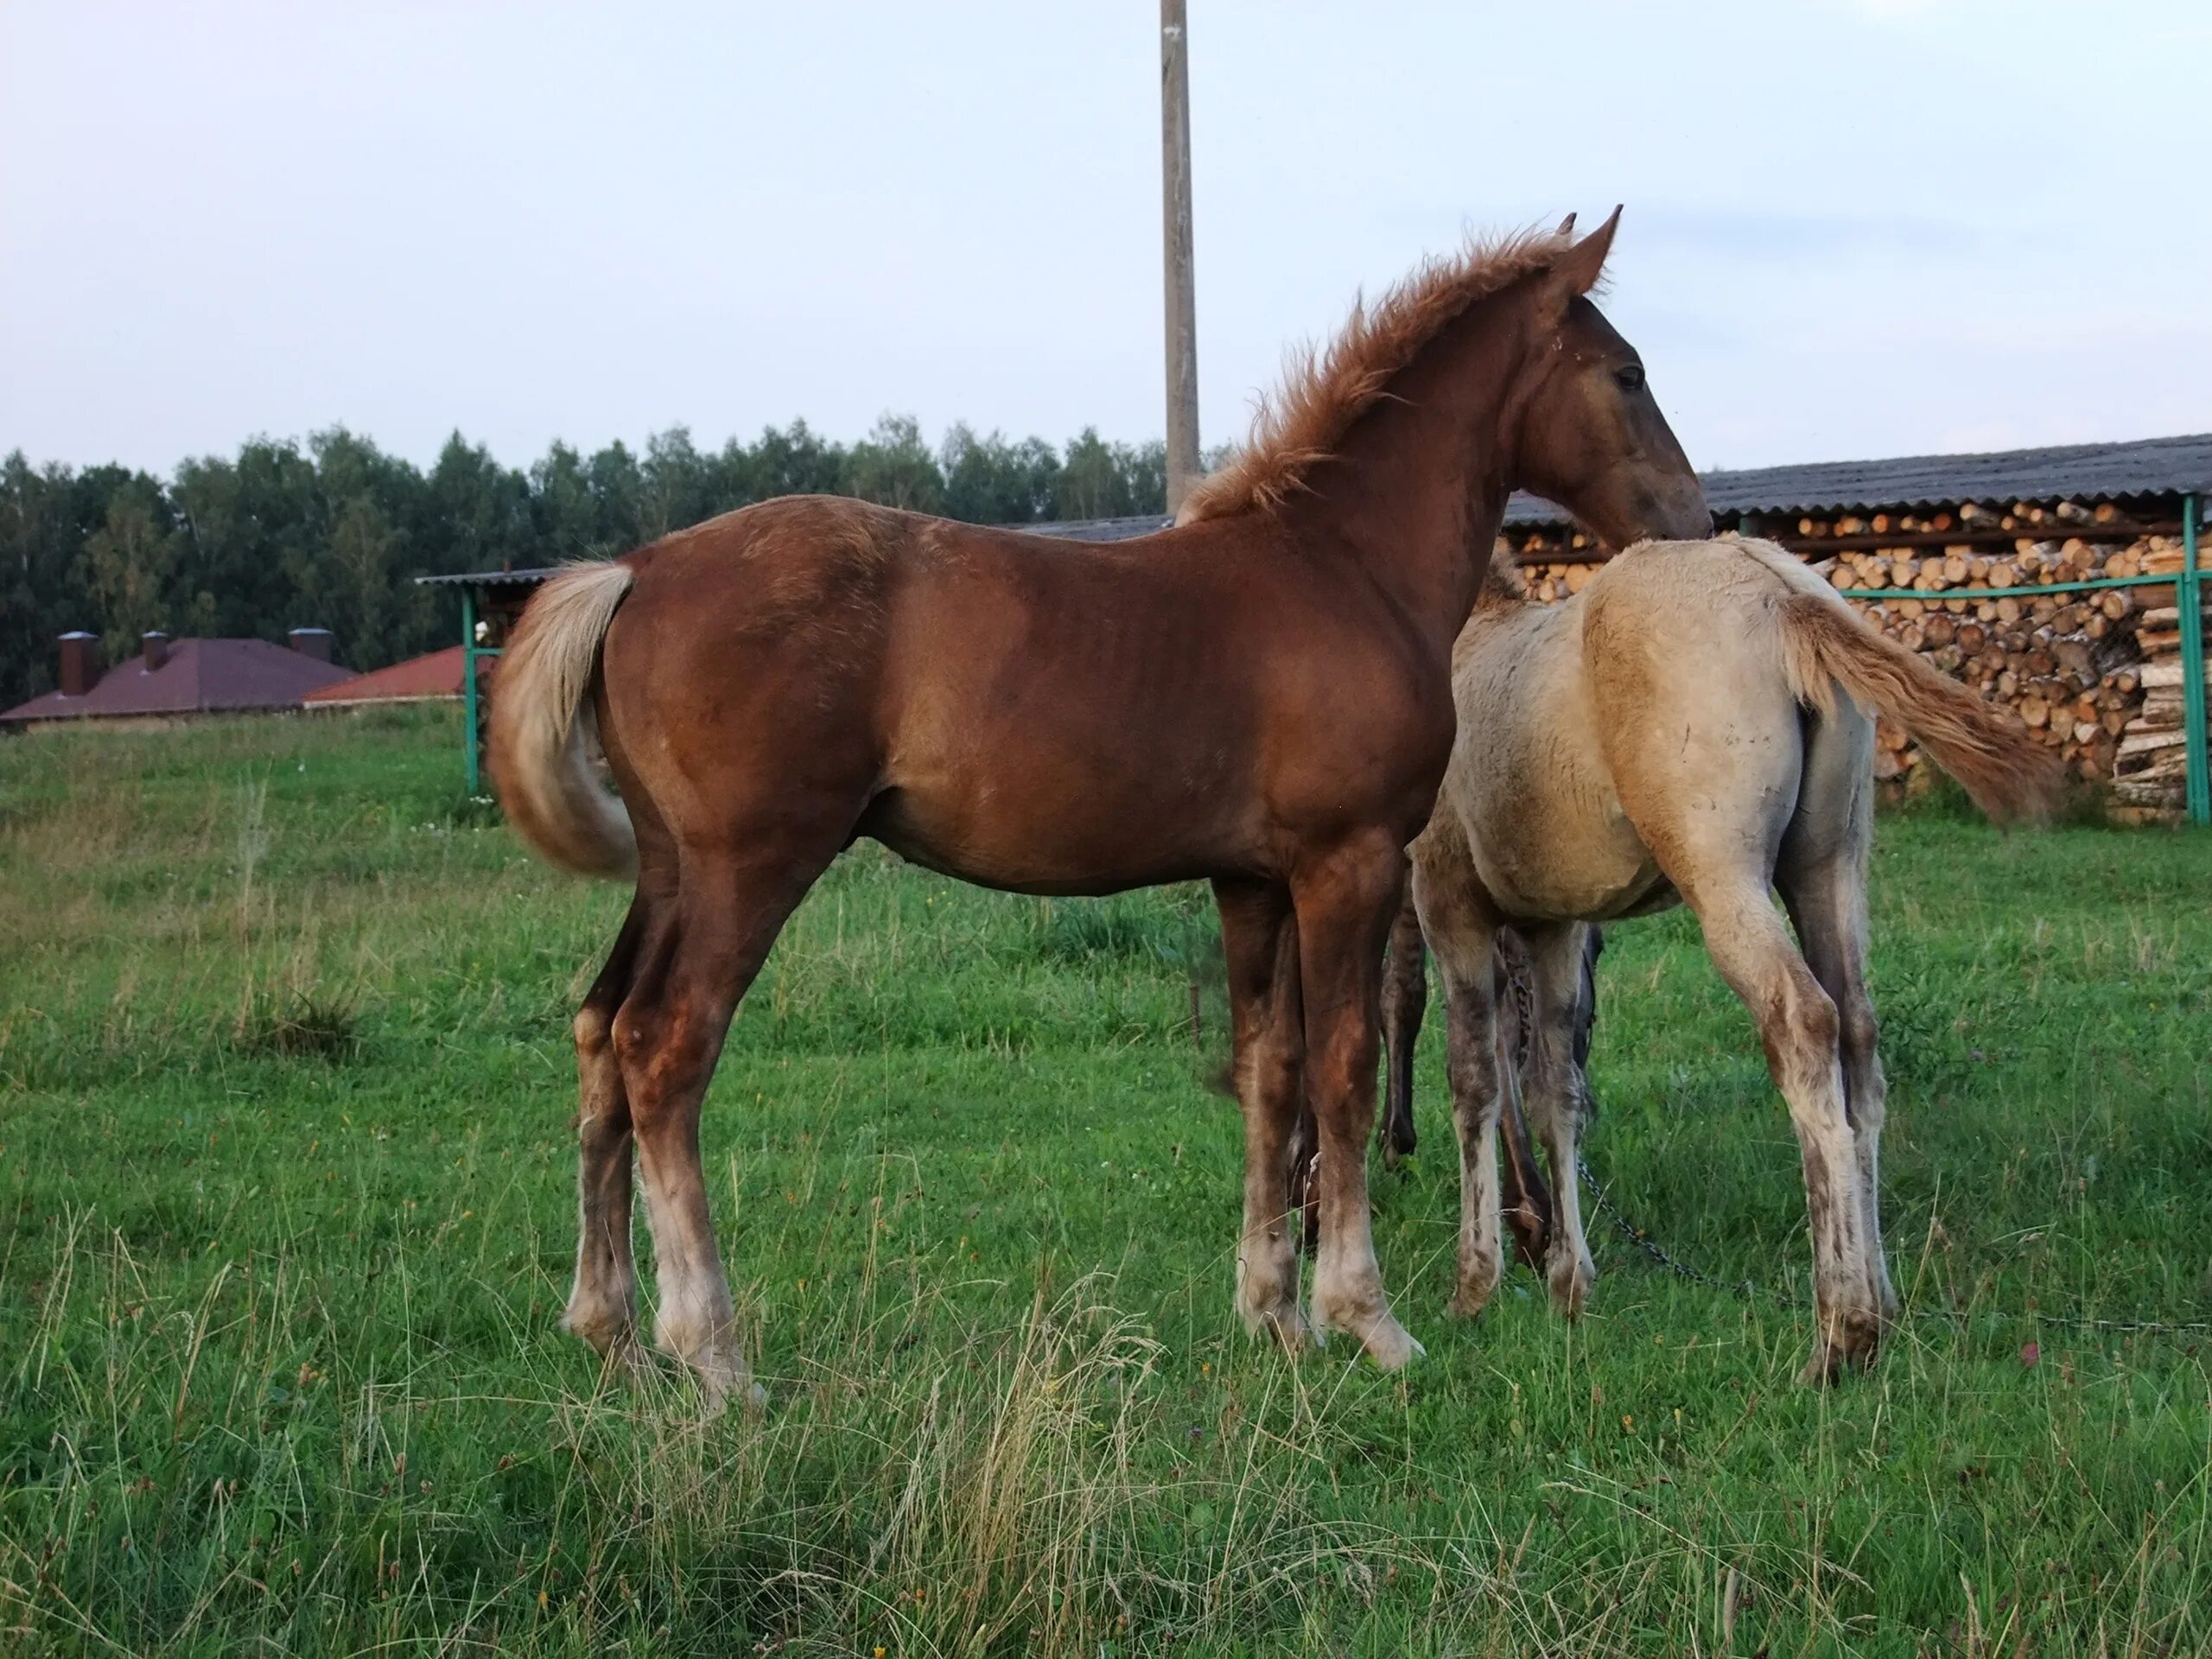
(593, 1028)
(1801, 1030)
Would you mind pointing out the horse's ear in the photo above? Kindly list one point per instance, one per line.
(1580, 266)
(1565, 226)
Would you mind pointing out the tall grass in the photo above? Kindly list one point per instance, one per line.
(286, 1177)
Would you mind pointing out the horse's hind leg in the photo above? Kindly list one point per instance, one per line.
(1405, 1002)
(1558, 1100)
(733, 900)
(1259, 937)
(603, 1304)
(1800, 1028)
(1822, 879)
(1464, 936)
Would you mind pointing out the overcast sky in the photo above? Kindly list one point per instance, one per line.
(1858, 228)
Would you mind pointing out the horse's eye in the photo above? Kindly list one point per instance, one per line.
(1629, 377)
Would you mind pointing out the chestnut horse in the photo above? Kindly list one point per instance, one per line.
(1260, 697)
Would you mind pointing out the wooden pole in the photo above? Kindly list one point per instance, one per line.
(1181, 317)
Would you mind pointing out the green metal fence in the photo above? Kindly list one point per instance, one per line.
(2188, 587)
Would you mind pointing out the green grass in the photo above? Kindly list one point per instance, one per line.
(285, 1095)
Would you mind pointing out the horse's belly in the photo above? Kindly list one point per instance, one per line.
(1592, 873)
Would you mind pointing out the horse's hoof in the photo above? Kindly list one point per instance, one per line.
(1471, 1297)
(1390, 1345)
(1570, 1283)
(1852, 1345)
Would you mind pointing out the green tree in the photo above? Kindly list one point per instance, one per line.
(991, 481)
(130, 563)
(894, 466)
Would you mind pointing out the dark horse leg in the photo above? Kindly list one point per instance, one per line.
(1405, 1000)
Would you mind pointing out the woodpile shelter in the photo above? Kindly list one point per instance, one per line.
(2065, 583)
(170, 679)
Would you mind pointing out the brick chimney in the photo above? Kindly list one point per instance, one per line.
(81, 663)
(311, 642)
(156, 645)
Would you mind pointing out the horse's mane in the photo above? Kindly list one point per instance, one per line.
(1323, 392)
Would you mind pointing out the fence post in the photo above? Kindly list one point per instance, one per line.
(468, 685)
(2190, 592)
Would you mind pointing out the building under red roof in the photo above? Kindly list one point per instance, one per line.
(433, 677)
(173, 677)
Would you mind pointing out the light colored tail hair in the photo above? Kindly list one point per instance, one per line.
(541, 719)
(2008, 774)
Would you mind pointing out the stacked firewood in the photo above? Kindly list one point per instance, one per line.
(2096, 675)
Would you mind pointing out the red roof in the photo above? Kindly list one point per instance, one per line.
(200, 676)
(435, 674)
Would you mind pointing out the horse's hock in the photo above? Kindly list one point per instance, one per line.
(2051, 580)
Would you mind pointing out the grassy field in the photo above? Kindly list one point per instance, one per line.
(285, 1095)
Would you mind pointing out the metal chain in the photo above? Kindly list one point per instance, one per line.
(1650, 1246)
(1746, 1290)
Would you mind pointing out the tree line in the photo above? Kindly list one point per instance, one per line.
(329, 533)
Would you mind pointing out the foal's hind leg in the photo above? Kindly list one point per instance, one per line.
(667, 1037)
(1259, 939)
(1464, 935)
(1800, 1027)
(1558, 1100)
(1405, 1002)
(603, 1306)
(1822, 879)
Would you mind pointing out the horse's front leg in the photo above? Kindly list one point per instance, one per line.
(1345, 900)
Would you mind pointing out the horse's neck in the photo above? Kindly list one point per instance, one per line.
(1418, 487)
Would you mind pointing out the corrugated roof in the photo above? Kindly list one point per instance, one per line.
(198, 676)
(435, 674)
(2071, 472)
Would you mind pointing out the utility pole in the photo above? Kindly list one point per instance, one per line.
(1181, 317)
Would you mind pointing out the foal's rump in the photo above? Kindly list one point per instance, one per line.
(1715, 665)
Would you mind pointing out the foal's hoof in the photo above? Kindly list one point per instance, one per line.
(1281, 1323)
(1391, 1346)
(1472, 1295)
(716, 1396)
(1570, 1279)
(1852, 1345)
(1388, 1343)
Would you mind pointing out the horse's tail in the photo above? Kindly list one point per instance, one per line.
(541, 711)
(2008, 774)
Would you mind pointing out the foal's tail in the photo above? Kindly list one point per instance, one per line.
(541, 713)
(2008, 774)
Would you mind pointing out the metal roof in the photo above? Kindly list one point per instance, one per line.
(2070, 471)
(198, 677)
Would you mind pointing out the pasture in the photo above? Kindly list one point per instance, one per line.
(285, 1097)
